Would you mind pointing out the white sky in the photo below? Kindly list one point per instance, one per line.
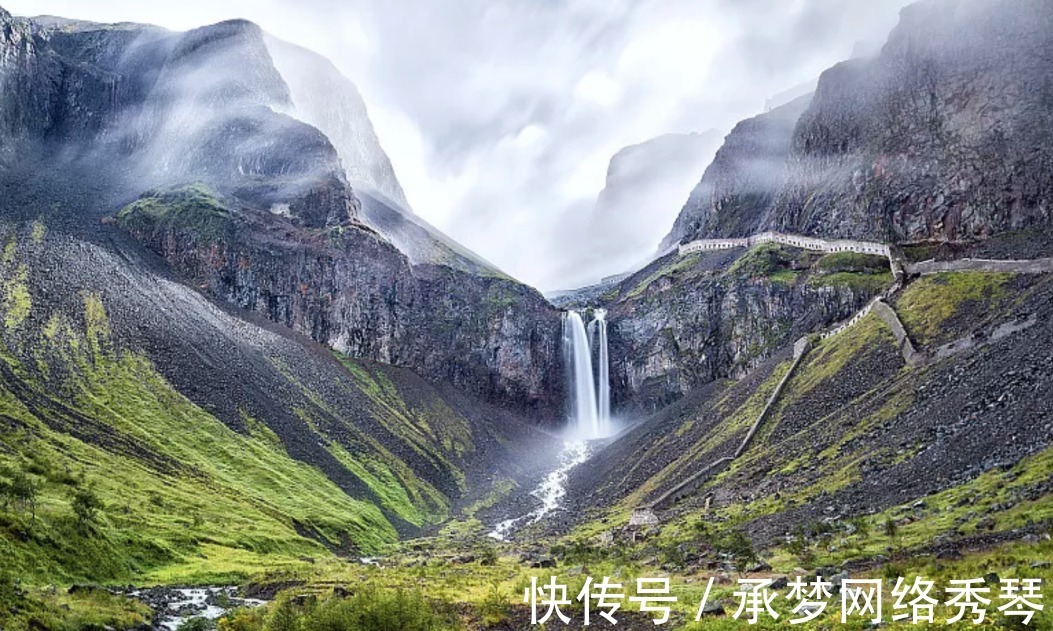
(500, 116)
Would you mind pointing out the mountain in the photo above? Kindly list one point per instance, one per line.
(642, 181)
(199, 326)
(758, 414)
(254, 205)
(323, 98)
(224, 361)
(943, 136)
(742, 180)
(326, 99)
(903, 146)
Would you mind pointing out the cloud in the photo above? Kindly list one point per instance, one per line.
(500, 116)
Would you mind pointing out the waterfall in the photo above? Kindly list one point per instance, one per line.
(603, 380)
(576, 342)
(589, 383)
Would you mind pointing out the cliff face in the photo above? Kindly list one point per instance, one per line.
(743, 179)
(687, 321)
(253, 205)
(946, 135)
(326, 99)
(353, 291)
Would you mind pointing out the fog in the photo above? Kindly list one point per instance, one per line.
(501, 116)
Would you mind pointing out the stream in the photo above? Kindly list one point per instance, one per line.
(549, 492)
(173, 606)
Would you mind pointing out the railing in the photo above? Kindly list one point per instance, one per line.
(795, 240)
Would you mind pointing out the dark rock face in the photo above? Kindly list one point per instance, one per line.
(947, 135)
(686, 321)
(743, 179)
(275, 228)
(680, 334)
(351, 290)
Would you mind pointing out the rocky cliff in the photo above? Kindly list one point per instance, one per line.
(743, 179)
(684, 322)
(352, 290)
(945, 135)
(253, 205)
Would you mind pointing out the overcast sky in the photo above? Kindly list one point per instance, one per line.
(500, 116)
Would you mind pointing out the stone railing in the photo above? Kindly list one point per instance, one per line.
(795, 240)
(800, 349)
(847, 323)
(1033, 266)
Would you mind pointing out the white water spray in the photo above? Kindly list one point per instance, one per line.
(549, 492)
(603, 381)
(590, 389)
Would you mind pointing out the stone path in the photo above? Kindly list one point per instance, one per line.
(882, 309)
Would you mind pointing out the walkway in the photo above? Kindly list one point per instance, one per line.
(879, 306)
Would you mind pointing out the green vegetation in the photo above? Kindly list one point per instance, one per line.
(16, 300)
(37, 232)
(773, 261)
(830, 356)
(932, 301)
(864, 273)
(853, 262)
(672, 270)
(193, 209)
(111, 475)
(866, 284)
(24, 609)
(367, 610)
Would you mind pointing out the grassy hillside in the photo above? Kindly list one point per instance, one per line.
(177, 492)
(857, 434)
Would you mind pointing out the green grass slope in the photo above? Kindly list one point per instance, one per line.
(301, 456)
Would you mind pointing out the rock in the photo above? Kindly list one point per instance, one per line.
(759, 567)
(713, 608)
(543, 562)
(992, 579)
(837, 579)
(779, 582)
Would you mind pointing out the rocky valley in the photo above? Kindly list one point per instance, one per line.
(243, 385)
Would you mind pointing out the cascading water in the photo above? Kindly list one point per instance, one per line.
(589, 383)
(590, 410)
(603, 381)
(583, 391)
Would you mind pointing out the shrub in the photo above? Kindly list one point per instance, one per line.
(737, 546)
(86, 505)
(367, 610)
(379, 609)
(197, 624)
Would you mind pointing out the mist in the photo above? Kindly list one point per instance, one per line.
(500, 118)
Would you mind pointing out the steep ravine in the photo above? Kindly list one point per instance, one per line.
(685, 321)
